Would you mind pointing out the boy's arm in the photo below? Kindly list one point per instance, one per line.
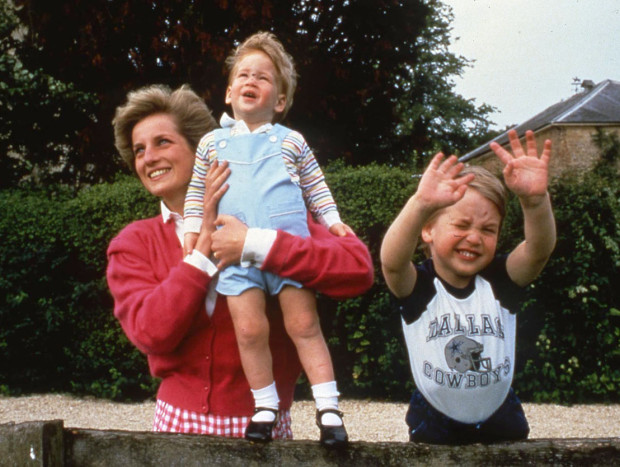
(527, 176)
(439, 187)
(316, 193)
(398, 246)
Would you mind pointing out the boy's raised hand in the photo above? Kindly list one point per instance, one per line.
(440, 185)
(525, 174)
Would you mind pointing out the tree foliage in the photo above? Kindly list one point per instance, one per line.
(363, 66)
(432, 116)
(42, 119)
(57, 331)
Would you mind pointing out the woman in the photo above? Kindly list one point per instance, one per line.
(166, 303)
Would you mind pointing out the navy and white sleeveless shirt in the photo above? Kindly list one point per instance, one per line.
(461, 342)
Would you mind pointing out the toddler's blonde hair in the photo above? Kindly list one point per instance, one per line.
(267, 43)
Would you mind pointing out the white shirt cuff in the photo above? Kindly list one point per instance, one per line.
(258, 243)
(200, 261)
(330, 218)
(192, 224)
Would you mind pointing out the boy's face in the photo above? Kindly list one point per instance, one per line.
(253, 92)
(463, 238)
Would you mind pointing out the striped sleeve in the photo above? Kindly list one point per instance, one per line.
(193, 209)
(305, 170)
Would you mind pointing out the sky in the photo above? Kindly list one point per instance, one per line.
(527, 52)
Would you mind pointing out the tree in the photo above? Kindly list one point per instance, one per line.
(346, 54)
(432, 117)
(35, 141)
(354, 59)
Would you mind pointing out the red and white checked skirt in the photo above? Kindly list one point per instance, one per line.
(175, 420)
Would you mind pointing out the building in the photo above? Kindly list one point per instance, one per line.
(570, 125)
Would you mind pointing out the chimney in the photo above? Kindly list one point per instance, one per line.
(587, 85)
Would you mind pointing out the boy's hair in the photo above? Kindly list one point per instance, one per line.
(485, 183)
(267, 43)
(191, 115)
(489, 186)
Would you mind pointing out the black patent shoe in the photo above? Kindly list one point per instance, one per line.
(260, 432)
(332, 436)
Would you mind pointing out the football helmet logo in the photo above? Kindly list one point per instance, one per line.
(463, 354)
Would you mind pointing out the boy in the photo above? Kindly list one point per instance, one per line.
(273, 174)
(458, 308)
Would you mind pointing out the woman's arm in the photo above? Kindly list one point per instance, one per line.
(339, 267)
(157, 297)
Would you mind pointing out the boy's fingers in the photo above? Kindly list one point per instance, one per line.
(436, 161)
(455, 169)
(447, 165)
(530, 141)
(546, 154)
(515, 144)
(465, 180)
(501, 153)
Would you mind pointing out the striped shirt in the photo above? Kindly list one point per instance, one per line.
(300, 163)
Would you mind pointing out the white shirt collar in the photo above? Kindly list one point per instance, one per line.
(239, 127)
(167, 215)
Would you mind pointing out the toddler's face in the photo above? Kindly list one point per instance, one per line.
(463, 238)
(253, 92)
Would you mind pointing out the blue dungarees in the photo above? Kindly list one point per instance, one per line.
(260, 194)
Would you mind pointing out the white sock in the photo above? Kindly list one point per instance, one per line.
(326, 397)
(265, 397)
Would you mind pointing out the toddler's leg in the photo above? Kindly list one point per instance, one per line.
(252, 331)
(301, 320)
(302, 325)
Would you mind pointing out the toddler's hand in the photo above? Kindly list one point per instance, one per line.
(341, 230)
(189, 242)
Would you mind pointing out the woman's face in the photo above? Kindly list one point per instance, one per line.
(164, 159)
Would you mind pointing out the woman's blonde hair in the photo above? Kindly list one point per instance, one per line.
(267, 43)
(191, 115)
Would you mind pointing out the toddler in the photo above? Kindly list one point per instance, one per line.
(274, 175)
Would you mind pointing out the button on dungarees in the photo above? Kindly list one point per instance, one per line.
(260, 194)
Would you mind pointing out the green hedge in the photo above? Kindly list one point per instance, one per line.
(57, 332)
(570, 328)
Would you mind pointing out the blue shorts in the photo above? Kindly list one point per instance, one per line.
(428, 425)
(238, 279)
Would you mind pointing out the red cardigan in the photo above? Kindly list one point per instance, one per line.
(160, 303)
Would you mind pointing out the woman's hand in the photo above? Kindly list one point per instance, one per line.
(215, 187)
(228, 240)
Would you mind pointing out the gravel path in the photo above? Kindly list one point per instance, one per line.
(365, 421)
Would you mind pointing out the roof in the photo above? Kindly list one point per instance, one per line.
(599, 104)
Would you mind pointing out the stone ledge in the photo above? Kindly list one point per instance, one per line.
(48, 443)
